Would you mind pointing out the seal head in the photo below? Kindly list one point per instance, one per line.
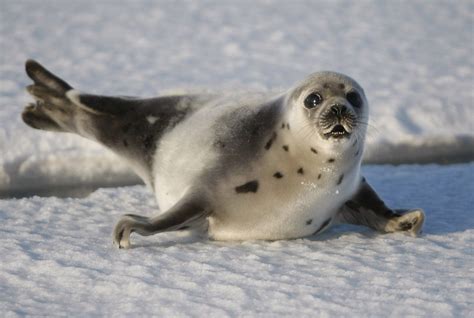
(333, 105)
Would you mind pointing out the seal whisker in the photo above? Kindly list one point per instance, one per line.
(305, 131)
(309, 133)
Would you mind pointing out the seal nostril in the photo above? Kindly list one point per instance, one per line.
(338, 109)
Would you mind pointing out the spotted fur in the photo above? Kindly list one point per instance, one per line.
(216, 162)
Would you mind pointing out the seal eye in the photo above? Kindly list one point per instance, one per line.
(354, 99)
(313, 100)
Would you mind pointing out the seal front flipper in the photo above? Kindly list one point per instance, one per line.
(411, 221)
(187, 213)
(366, 208)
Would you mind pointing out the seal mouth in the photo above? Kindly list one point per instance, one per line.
(337, 132)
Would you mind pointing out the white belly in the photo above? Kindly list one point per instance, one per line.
(295, 205)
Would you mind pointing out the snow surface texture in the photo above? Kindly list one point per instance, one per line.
(415, 60)
(58, 259)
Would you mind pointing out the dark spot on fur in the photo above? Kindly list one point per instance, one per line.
(342, 86)
(319, 176)
(288, 126)
(314, 150)
(285, 147)
(300, 171)
(278, 175)
(270, 141)
(309, 221)
(355, 143)
(331, 160)
(251, 186)
(340, 179)
(323, 226)
(283, 126)
(357, 153)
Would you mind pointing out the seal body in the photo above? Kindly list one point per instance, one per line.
(277, 188)
(267, 174)
(250, 166)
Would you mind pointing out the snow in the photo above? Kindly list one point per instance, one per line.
(57, 257)
(415, 61)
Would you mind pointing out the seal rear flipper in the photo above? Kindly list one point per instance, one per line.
(102, 105)
(366, 208)
(52, 109)
(36, 118)
(44, 78)
(188, 212)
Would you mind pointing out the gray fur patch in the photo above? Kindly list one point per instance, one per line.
(246, 132)
(123, 124)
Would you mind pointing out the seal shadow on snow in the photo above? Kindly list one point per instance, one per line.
(177, 240)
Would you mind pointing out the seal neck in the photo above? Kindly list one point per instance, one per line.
(304, 145)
